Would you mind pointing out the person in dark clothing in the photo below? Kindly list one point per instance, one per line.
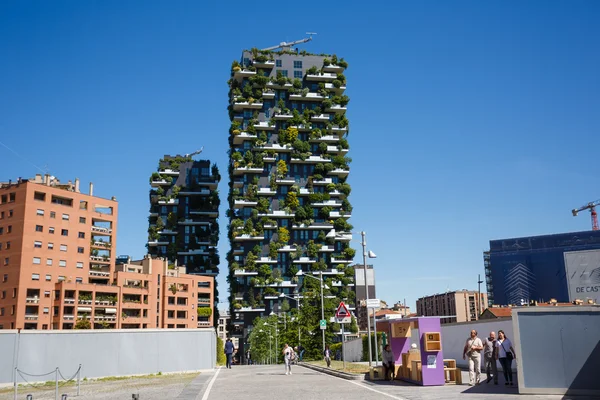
(229, 349)
(300, 352)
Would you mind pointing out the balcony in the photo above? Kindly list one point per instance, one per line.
(238, 184)
(247, 105)
(310, 160)
(69, 300)
(244, 203)
(331, 271)
(326, 139)
(213, 214)
(101, 274)
(243, 73)
(304, 260)
(102, 260)
(333, 68)
(266, 260)
(336, 150)
(275, 147)
(247, 238)
(201, 192)
(169, 172)
(269, 159)
(320, 118)
(246, 170)
(275, 85)
(309, 97)
(68, 317)
(242, 272)
(286, 181)
(101, 245)
(323, 77)
(277, 214)
(101, 231)
(189, 221)
(32, 300)
(330, 203)
(339, 214)
(169, 202)
(339, 172)
(282, 117)
(264, 64)
(331, 87)
(337, 130)
(264, 126)
(336, 108)
(243, 136)
(155, 243)
(193, 252)
(340, 261)
(327, 249)
(268, 94)
(31, 317)
(287, 248)
(159, 183)
(250, 309)
(324, 181)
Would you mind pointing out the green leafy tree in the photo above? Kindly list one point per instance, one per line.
(83, 323)
(281, 169)
(292, 201)
(284, 235)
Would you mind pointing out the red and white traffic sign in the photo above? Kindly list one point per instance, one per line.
(342, 315)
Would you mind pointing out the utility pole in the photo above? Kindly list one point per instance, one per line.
(322, 308)
(479, 282)
(364, 247)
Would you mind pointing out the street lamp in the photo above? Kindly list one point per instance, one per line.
(276, 344)
(297, 300)
(332, 235)
(320, 278)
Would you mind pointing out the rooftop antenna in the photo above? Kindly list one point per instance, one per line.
(286, 46)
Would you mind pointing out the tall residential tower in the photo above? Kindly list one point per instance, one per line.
(288, 195)
(184, 207)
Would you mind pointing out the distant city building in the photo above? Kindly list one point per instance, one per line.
(184, 207)
(222, 328)
(565, 267)
(459, 305)
(402, 308)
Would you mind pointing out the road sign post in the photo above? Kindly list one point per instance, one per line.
(323, 324)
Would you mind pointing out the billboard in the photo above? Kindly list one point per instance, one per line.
(583, 274)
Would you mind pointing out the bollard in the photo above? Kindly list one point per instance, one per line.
(29, 397)
(135, 396)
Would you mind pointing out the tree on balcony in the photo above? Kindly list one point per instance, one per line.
(83, 323)
(205, 312)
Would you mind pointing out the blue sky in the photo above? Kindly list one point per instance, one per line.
(470, 120)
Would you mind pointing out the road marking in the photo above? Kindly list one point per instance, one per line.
(362, 386)
(212, 381)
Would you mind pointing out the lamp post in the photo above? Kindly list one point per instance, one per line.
(276, 344)
(270, 351)
(320, 278)
(333, 234)
(297, 300)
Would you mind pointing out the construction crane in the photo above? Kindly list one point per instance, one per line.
(195, 153)
(592, 207)
(284, 46)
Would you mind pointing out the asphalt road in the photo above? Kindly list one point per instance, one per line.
(270, 382)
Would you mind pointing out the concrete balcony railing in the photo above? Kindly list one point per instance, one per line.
(31, 317)
(98, 229)
(32, 300)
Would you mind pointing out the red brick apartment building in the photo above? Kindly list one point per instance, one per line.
(57, 265)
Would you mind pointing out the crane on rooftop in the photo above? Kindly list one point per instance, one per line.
(195, 153)
(592, 207)
(285, 46)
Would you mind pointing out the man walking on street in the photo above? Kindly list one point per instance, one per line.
(229, 349)
(472, 349)
(489, 358)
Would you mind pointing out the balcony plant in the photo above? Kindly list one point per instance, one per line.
(204, 312)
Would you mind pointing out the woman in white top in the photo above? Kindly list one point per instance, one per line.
(287, 358)
(505, 354)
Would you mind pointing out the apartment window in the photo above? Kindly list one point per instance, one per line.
(61, 278)
(78, 280)
(10, 213)
(5, 277)
(3, 294)
(65, 201)
(2, 215)
(278, 63)
(7, 245)
(2, 311)
(14, 292)
(46, 310)
(37, 260)
(80, 250)
(52, 214)
(297, 64)
(283, 72)
(39, 228)
(51, 230)
(0, 245)
(35, 277)
(79, 264)
(64, 232)
(81, 235)
(1, 230)
(6, 260)
(37, 244)
(62, 263)
(47, 293)
(50, 246)
(82, 220)
(48, 277)
(3, 198)
(9, 229)
(49, 261)
(65, 217)
(63, 247)
(39, 196)
(298, 74)
(12, 310)
(40, 212)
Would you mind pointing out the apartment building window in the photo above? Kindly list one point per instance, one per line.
(62, 263)
(37, 260)
(82, 220)
(50, 246)
(6, 260)
(39, 196)
(48, 278)
(37, 244)
(0, 245)
(80, 250)
(5, 277)
(298, 74)
(79, 264)
(40, 212)
(2, 215)
(47, 293)
(7, 245)
(47, 310)
(14, 292)
(78, 280)
(10, 213)
(9, 229)
(284, 72)
(39, 228)
(63, 247)
(12, 310)
(65, 217)
(64, 201)
(278, 63)
(52, 214)
(35, 277)
(64, 232)
(297, 64)
(81, 235)
(3, 294)
(3, 199)
(1, 230)
(2, 311)
(61, 278)
(51, 230)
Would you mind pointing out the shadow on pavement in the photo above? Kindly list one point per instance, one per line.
(490, 388)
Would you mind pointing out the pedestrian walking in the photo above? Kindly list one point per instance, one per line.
(327, 356)
(300, 352)
(287, 358)
(229, 349)
(389, 367)
(472, 349)
(506, 354)
(489, 358)
(248, 359)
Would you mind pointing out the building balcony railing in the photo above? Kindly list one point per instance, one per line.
(323, 77)
(336, 108)
(104, 260)
(266, 192)
(32, 300)
(155, 243)
(168, 171)
(320, 118)
(242, 272)
(244, 203)
(336, 150)
(264, 126)
(305, 260)
(100, 230)
(243, 73)
(203, 300)
(326, 139)
(310, 160)
(99, 273)
(250, 309)
(339, 214)
(242, 137)
(330, 203)
(340, 261)
(309, 97)
(169, 202)
(264, 64)
(268, 94)
(283, 116)
(68, 317)
(245, 237)
(277, 214)
(31, 317)
(247, 105)
(326, 249)
(333, 68)
(331, 87)
(246, 170)
(158, 183)
(339, 172)
(69, 300)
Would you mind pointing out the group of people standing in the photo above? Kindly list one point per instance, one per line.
(499, 349)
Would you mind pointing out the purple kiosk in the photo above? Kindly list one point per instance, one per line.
(422, 364)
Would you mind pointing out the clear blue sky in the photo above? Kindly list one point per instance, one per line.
(470, 120)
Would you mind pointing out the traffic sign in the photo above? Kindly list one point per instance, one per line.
(342, 314)
(373, 303)
(323, 324)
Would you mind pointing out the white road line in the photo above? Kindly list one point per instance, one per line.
(212, 381)
(362, 386)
